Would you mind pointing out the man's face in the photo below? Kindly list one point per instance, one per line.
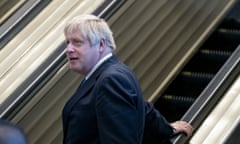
(82, 56)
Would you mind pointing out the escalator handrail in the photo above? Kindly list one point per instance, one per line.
(212, 93)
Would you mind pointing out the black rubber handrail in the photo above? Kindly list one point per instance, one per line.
(212, 94)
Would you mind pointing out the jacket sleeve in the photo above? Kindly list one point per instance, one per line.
(156, 125)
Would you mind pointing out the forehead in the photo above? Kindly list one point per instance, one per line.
(74, 34)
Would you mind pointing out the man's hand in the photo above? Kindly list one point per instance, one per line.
(182, 127)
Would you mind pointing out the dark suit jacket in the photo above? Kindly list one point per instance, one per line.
(157, 128)
(107, 109)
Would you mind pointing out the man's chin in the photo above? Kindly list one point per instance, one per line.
(73, 68)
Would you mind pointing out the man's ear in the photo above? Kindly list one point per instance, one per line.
(102, 45)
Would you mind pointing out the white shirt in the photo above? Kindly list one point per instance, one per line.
(97, 65)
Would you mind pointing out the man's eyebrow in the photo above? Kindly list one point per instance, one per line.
(74, 40)
(78, 39)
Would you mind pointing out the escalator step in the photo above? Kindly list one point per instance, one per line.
(172, 106)
(208, 61)
(230, 34)
(216, 53)
(214, 57)
(197, 75)
(230, 23)
(178, 99)
(223, 39)
(195, 79)
(189, 84)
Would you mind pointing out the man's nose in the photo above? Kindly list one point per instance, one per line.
(70, 47)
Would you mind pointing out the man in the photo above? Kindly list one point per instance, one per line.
(108, 106)
(11, 134)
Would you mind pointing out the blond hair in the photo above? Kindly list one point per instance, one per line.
(93, 28)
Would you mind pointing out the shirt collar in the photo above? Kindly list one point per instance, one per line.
(97, 65)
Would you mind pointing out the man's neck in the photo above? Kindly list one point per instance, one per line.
(100, 62)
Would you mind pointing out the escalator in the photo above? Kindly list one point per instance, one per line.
(201, 69)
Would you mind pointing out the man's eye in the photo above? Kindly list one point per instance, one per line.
(78, 43)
